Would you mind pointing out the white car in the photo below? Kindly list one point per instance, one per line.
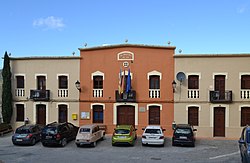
(153, 135)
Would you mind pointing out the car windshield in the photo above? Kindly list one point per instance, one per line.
(50, 130)
(153, 131)
(122, 131)
(22, 131)
(82, 130)
(182, 131)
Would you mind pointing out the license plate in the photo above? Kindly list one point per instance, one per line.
(48, 137)
(151, 137)
(19, 139)
(122, 137)
(183, 137)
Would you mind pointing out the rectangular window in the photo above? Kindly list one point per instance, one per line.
(245, 116)
(98, 82)
(97, 114)
(63, 82)
(154, 82)
(19, 112)
(193, 82)
(193, 116)
(19, 81)
(245, 82)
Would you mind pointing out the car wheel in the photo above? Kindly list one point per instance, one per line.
(103, 138)
(33, 141)
(193, 144)
(64, 142)
(44, 144)
(94, 144)
(78, 145)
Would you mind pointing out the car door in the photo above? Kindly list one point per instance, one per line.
(242, 144)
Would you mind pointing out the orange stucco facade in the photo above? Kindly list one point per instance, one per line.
(143, 61)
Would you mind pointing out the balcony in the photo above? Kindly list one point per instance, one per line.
(97, 92)
(63, 92)
(40, 95)
(221, 97)
(125, 97)
(245, 94)
(193, 93)
(154, 93)
(20, 92)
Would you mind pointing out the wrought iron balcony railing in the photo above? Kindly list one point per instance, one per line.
(40, 95)
(221, 96)
(125, 97)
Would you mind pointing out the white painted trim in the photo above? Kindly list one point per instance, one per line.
(148, 105)
(212, 114)
(194, 73)
(241, 106)
(24, 75)
(243, 73)
(36, 75)
(125, 59)
(103, 105)
(62, 103)
(220, 73)
(119, 104)
(154, 73)
(34, 111)
(57, 76)
(97, 73)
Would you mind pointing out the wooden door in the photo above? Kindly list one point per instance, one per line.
(41, 114)
(219, 121)
(154, 115)
(220, 86)
(62, 114)
(125, 115)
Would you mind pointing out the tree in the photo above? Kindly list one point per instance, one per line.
(7, 109)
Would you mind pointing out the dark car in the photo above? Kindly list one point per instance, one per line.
(184, 135)
(27, 134)
(58, 133)
(244, 144)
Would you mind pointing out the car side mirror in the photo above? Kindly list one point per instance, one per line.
(194, 129)
(163, 129)
(241, 141)
(143, 129)
(135, 129)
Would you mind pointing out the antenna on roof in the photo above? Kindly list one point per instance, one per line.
(180, 50)
(85, 44)
(169, 43)
(73, 53)
(126, 41)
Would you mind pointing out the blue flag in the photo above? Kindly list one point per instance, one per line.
(128, 86)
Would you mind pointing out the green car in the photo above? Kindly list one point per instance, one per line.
(124, 134)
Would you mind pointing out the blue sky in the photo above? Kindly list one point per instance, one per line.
(60, 27)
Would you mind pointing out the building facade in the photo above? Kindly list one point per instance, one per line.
(213, 93)
(44, 90)
(127, 84)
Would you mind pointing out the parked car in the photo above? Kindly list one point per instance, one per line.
(184, 134)
(58, 133)
(124, 134)
(153, 135)
(244, 144)
(27, 134)
(89, 134)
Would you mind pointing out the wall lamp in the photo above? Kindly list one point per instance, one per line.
(174, 86)
(78, 86)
